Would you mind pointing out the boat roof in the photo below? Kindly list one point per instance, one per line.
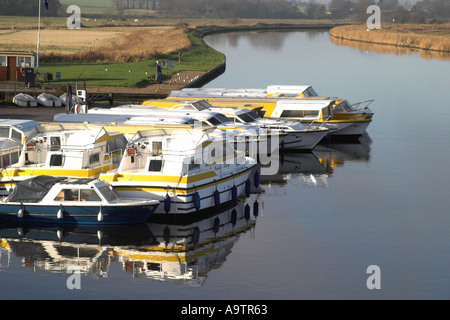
(35, 189)
(19, 124)
(244, 92)
(151, 111)
(110, 119)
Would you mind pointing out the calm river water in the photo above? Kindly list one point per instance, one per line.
(321, 221)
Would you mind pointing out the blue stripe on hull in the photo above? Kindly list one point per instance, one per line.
(78, 215)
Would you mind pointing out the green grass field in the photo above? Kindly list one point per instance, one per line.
(133, 74)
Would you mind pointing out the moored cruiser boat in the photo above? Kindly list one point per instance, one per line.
(188, 170)
(72, 201)
(299, 136)
(299, 103)
(72, 150)
(250, 137)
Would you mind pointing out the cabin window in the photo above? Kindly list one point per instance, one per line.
(89, 195)
(16, 136)
(3, 61)
(156, 147)
(25, 62)
(5, 161)
(55, 143)
(299, 113)
(108, 193)
(56, 160)
(68, 195)
(9, 159)
(116, 144)
(4, 132)
(155, 165)
(94, 158)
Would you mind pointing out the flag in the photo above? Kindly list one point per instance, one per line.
(69, 98)
(46, 5)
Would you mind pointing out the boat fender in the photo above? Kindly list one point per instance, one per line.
(247, 212)
(60, 213)
(196, 235)
(255, 208)
(248, 187)
(216, 225)
(234, 195)
(256, 179)
(216, 198)
(100, 215)
(167, 203)
(282, 146)
(233, 219)
(196, 200)
(20, 212)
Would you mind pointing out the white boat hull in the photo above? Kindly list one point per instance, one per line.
(24, 100)
(352, 129)
(48, 100)
(303, 141)
(187, 198)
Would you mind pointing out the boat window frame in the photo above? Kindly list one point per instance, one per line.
(300, 114)
(161, 165)
(85, 195)
(53, 156)
(109, 192)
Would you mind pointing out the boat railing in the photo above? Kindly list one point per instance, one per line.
(361, 105)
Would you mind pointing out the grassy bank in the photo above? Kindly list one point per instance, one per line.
(417, 36)
(124, 53)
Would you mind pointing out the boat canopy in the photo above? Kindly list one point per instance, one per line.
(33, 190)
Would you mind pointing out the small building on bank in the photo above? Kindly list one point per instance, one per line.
(15, 64)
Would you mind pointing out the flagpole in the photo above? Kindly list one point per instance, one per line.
(38, 42)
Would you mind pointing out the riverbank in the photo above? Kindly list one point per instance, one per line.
(433, 37)
(197, 65)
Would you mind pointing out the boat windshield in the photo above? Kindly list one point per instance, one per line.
(310, 92)
(109, 194)
(218, 119)
(201, 105)
(343, 106)
(248, 116)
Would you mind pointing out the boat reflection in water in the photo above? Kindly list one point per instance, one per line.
(165, 250)
(314, 168)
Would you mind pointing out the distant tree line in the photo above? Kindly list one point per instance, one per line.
(391, 10)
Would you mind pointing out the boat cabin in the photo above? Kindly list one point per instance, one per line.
(12, 136)
(14, 65)
(272, 91)
(61, 189)
(311, 110)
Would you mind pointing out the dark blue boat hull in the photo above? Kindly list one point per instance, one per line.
(87, 215)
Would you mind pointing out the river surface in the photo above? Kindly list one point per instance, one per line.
(364, 220)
